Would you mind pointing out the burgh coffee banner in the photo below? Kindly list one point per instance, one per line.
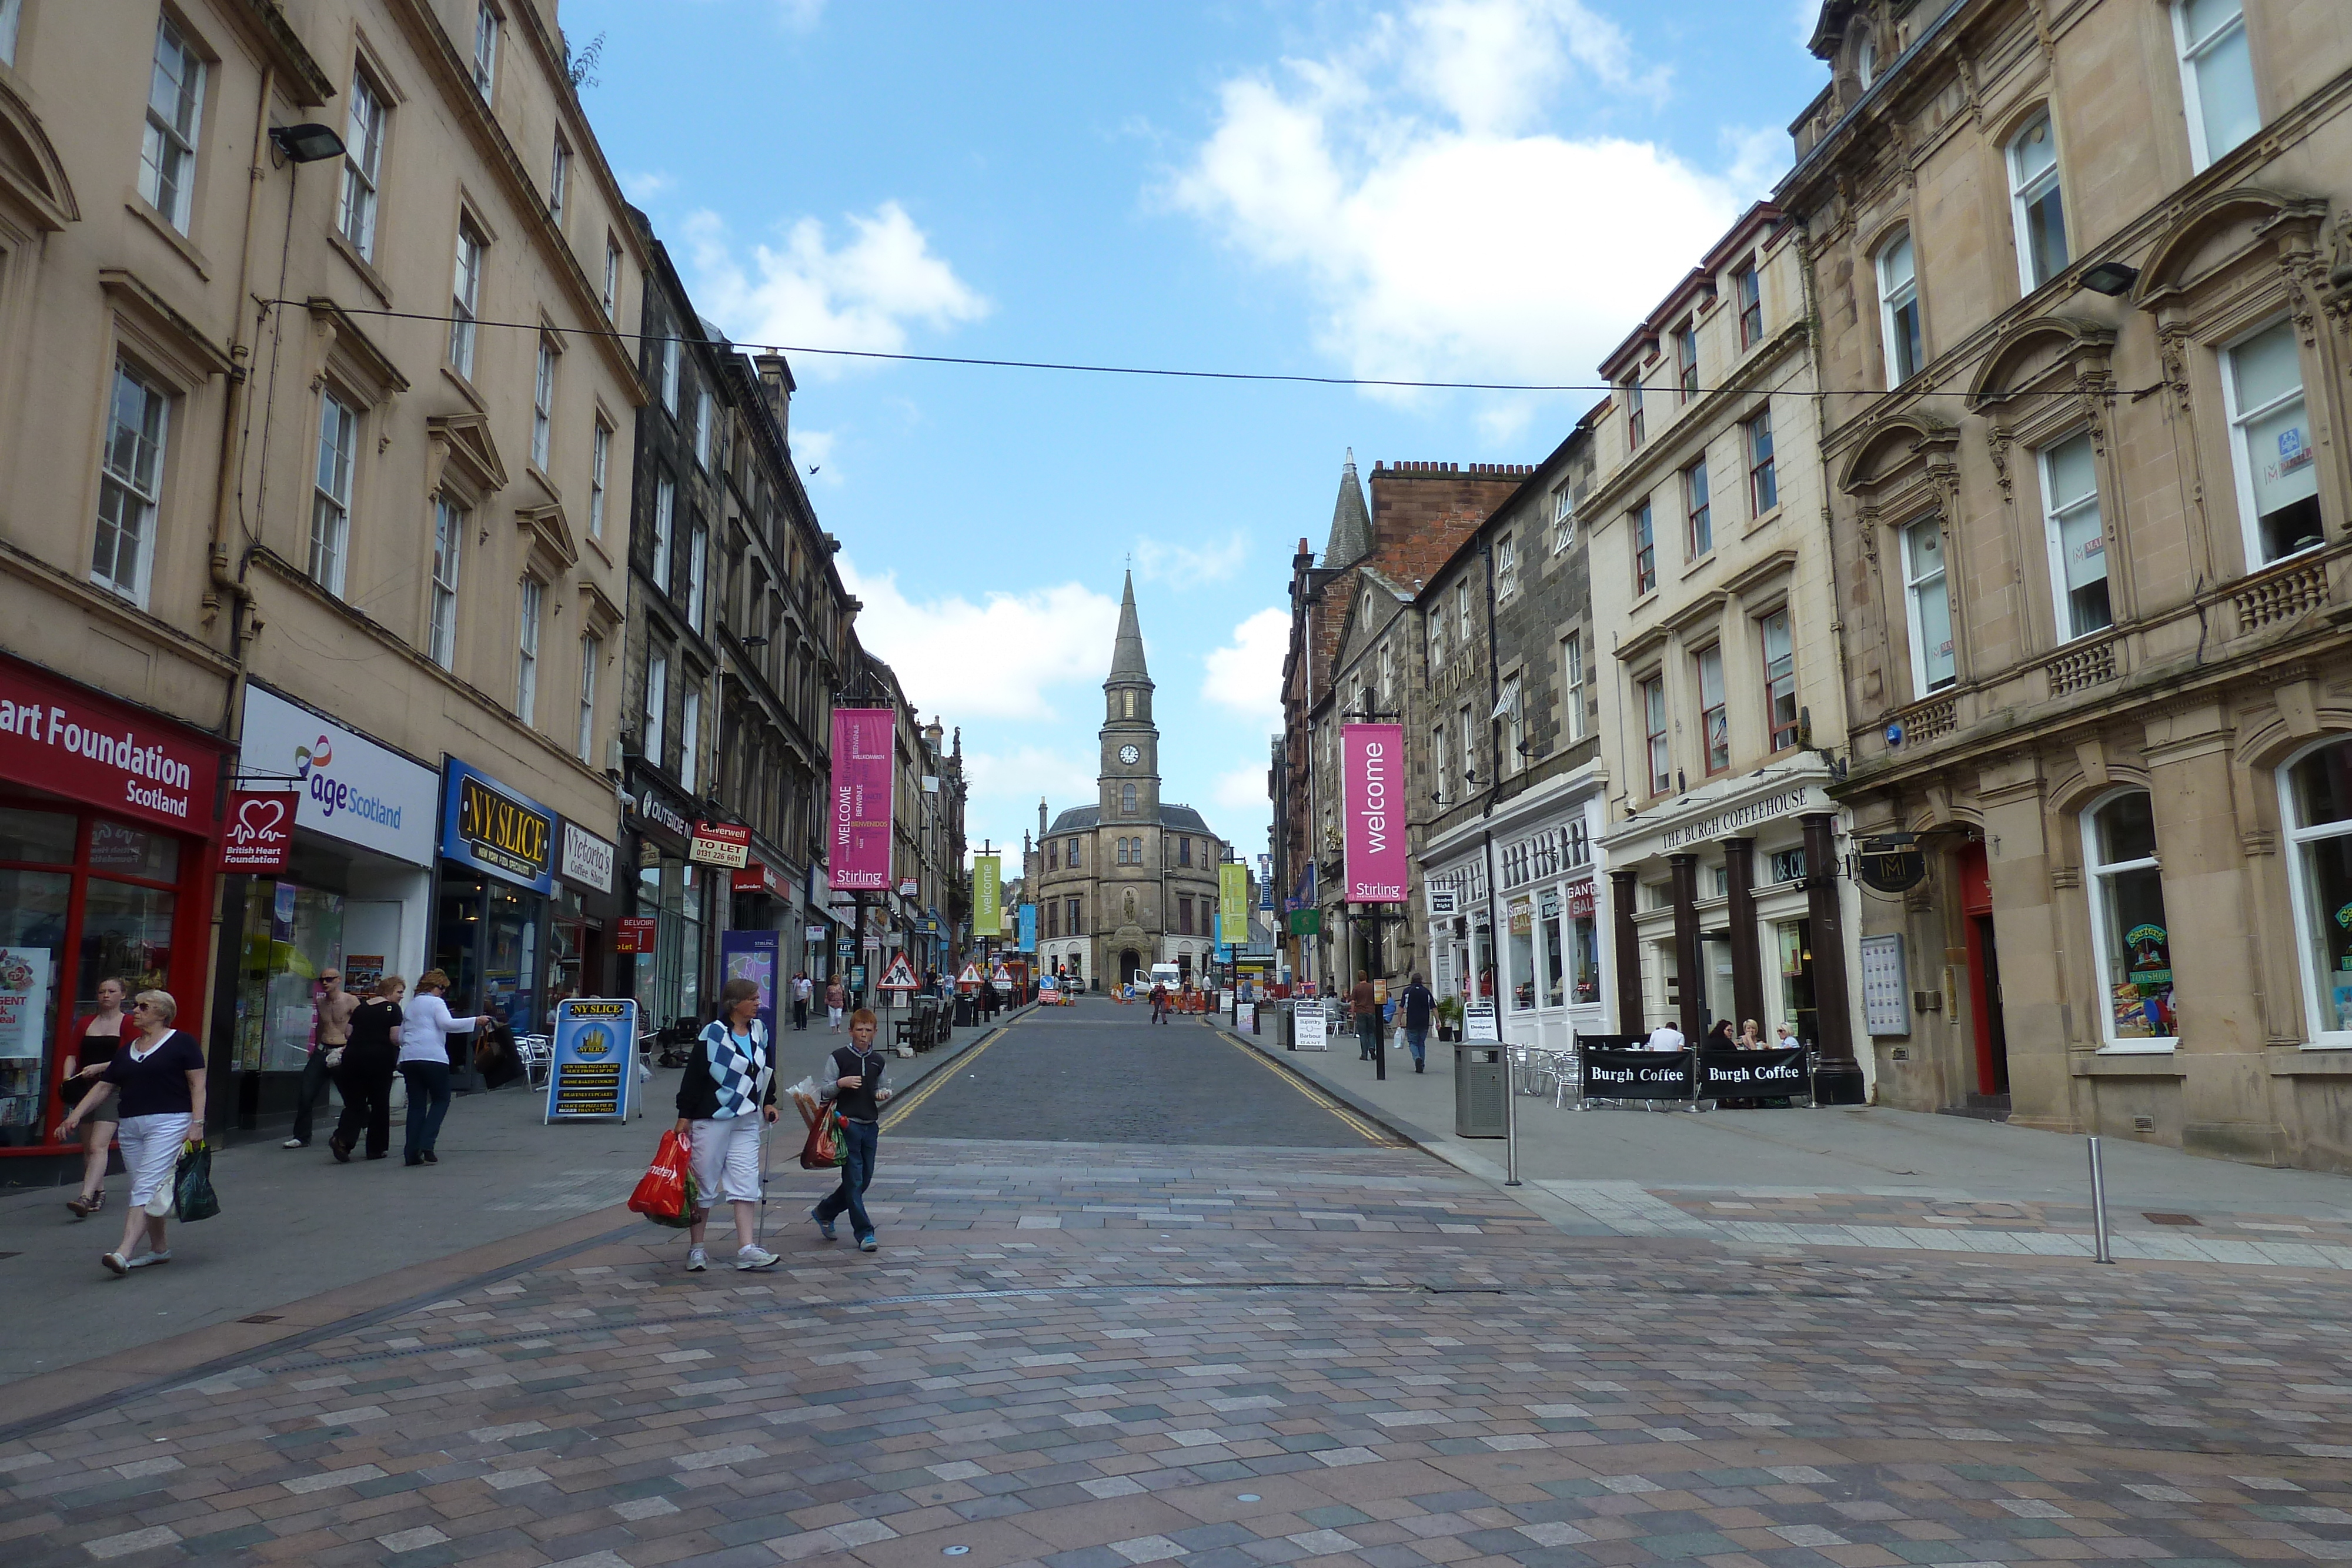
(1372, 798)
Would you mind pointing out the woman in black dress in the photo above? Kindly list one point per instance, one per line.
(364, 1077)
(96, 1038)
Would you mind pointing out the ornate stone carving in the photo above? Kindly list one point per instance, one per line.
(1997, 444)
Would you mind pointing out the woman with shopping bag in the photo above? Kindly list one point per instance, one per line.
(159, 1078)
(725, 1101)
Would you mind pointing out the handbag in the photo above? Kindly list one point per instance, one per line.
(664, 1192)
(193, 1198)
(825, 1149)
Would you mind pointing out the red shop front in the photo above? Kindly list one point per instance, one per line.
(108, 821)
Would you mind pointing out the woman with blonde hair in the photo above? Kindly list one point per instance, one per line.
(424, 1028)
(96, 1039)
(160, 1078)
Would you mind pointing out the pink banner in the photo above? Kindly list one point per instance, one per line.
(1372, 795)
(859, 831)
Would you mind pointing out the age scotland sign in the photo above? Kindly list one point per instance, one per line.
(348, 788)
(1372, 798)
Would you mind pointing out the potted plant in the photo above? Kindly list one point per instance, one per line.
(1449, 1019)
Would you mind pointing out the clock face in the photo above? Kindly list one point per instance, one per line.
(1128, 754)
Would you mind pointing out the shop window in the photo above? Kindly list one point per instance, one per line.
(449, 541)
(2217, 75)
(291, 934)
(2034, 205)
(1787, 865)
(2317, 807)
(1780, 681)
(1521, 955)
(330, 500)
(1699, 537)
(1714, 721)
(1549, 910)
(1924, 585)
(167, 151)
(1585, 952)
(130, 488)
(2077, 538)
(2129, 939)
(1654, 729)
(1763, 476)
(2270, 435)
(1793, 941)
(1645, 550)
(1898, 311)
(34, 904)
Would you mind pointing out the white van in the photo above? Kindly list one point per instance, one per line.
(1167, 974)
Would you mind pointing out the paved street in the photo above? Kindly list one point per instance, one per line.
(1093, 1352)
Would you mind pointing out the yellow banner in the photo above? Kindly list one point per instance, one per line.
(987, 896)
(1233, 903)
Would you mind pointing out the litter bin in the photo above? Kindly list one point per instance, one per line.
(1478, 1089)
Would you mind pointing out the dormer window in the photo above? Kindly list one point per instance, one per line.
(1865, 62)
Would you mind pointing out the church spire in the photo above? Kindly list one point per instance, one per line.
(1351, 522)
(1126, 667)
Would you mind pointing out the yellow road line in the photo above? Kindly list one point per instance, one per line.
(1370, 1132)
(939, 1080)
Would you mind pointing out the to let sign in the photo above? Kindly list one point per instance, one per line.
(258, 838)
(719, 843)
(1373, 795)
(633, 934)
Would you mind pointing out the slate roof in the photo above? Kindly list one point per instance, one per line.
(1127, 653)
(1182, 818)
(1351, 522)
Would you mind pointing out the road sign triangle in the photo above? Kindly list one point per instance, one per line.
(901, 977)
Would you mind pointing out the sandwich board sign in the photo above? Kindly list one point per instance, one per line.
(900, 978)
(593, 1074)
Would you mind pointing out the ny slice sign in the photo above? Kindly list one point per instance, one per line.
(1372, 798)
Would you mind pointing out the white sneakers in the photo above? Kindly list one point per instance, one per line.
(756, 1257)
(116, 1263)
(697, 1260)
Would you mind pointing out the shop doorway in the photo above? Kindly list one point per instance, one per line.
(1990, 1035)
(1794, 939)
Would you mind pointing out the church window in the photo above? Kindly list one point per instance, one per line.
(1127, 798)
(1127, 705)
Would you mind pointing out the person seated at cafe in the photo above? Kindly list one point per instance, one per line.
(1749, 1039)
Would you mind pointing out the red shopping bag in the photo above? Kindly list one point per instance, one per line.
(666, 1195)
(824, 1150)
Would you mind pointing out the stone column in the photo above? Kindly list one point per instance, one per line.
(1837, 1076)
(1628, 954)
(1746, 957)
(1691, 983)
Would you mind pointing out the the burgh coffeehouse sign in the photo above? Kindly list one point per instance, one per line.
(1781, 803)
(493, 828)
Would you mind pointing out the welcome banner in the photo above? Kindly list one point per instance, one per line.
(987, 896)
(1233, 903)
(1372, 798)
(857, 827)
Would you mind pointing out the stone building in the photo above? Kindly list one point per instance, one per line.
(1721, 703)
(1130, 881)
(2084, 281)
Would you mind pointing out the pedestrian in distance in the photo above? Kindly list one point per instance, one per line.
(725, 1101)
(332, 1011)
(836, 996)
(1417, 1005)
(801, 989)
(425, 1030)
(369, 1060)
(856, 1092)
(159, 1079)
(1368, 1017)
(96, 1038)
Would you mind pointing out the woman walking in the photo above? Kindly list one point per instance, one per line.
(96, 1039)
(725, 1101)
(424, 1029)
(365, 1077)
(836, 998)
(160, 1076)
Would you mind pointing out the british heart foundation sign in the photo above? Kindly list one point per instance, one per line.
(258, 838)
(1372, 797)
(857, 827)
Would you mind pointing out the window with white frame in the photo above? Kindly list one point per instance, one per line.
(612, 276)
(558, 180)
(441, 610)
(1387, 663)
(1654, 735)
(1685, 363)
(2034, 203)
(2317, 806)
(1898, 311)
(702, 426)
(175, 101)
(1632, 388)
(1461, 612)
(1436, 637)
(669, 351)
(542, 405)
(1441, 762)
(689, 740)
(465, 299)
(1515, 726)
(330, 498)
(1506, 568)
(1563, 519)
(1571, 685)
(698, 574)
(1645, 550)
(2217, 75)
(2129, 937)
(592, 654)
(1747, 292)
(657, 716)
(1780, 680)
(665, 518)
(2077, 538)
(1469, 746)
(486, 48)
(600, 457)
(1763, 476)
(11, 12)
(534, 599)
(363, 164)
(1925, 586)
(1714, 719)
(129, 486)
(2270, 443)
(1865, 62)
(1698, 512)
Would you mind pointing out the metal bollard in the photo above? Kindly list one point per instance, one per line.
(1510, 1120)
(2099, 1207)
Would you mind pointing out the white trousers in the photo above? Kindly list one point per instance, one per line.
(151, 1151)
(726, 1159)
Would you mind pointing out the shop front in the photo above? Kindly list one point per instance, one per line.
(491, 923)
(581, 917)
(108, 829)
(674, 893)
(355, 895)
(1730, 903)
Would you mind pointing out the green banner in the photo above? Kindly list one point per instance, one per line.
(987, 896)
(1232, 903)
(1306, 922)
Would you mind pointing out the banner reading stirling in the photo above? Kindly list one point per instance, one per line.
(1232, 903)
(857, 828)
(987, 896)
(1372, 797)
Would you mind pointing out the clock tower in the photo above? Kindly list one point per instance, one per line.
(1130, 780)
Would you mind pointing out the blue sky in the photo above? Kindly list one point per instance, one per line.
(1490, 190)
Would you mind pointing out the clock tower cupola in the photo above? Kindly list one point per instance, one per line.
(1130, 740)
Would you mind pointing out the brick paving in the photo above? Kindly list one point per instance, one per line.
(1093, 1355)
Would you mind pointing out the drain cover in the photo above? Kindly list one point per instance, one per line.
(2171, 1220)
(262, 1317)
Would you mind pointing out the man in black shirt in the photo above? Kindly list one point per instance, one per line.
(857, 1094)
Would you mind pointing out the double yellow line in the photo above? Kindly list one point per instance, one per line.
(1371, 1132)
(902, 1109)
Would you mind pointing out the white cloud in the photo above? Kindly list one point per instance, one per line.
(1238, 794)
(1156, 561)
(814, 450)
(1354, 173)
(864, 294)
(802, 16)
(996, 659)
(1246, 674)
(643, 186)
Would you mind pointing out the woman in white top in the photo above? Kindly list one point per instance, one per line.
(424, 1027)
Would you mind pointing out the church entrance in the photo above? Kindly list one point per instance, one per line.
(1131, 964)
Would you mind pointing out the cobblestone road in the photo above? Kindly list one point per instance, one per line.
(1094, 1355)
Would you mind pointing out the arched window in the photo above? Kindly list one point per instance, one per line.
(2034, 203)
(1899, 309)
(2128, 935)
(1127, 800)
(2316, 806)
(1865, 61)
(1127, 704)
